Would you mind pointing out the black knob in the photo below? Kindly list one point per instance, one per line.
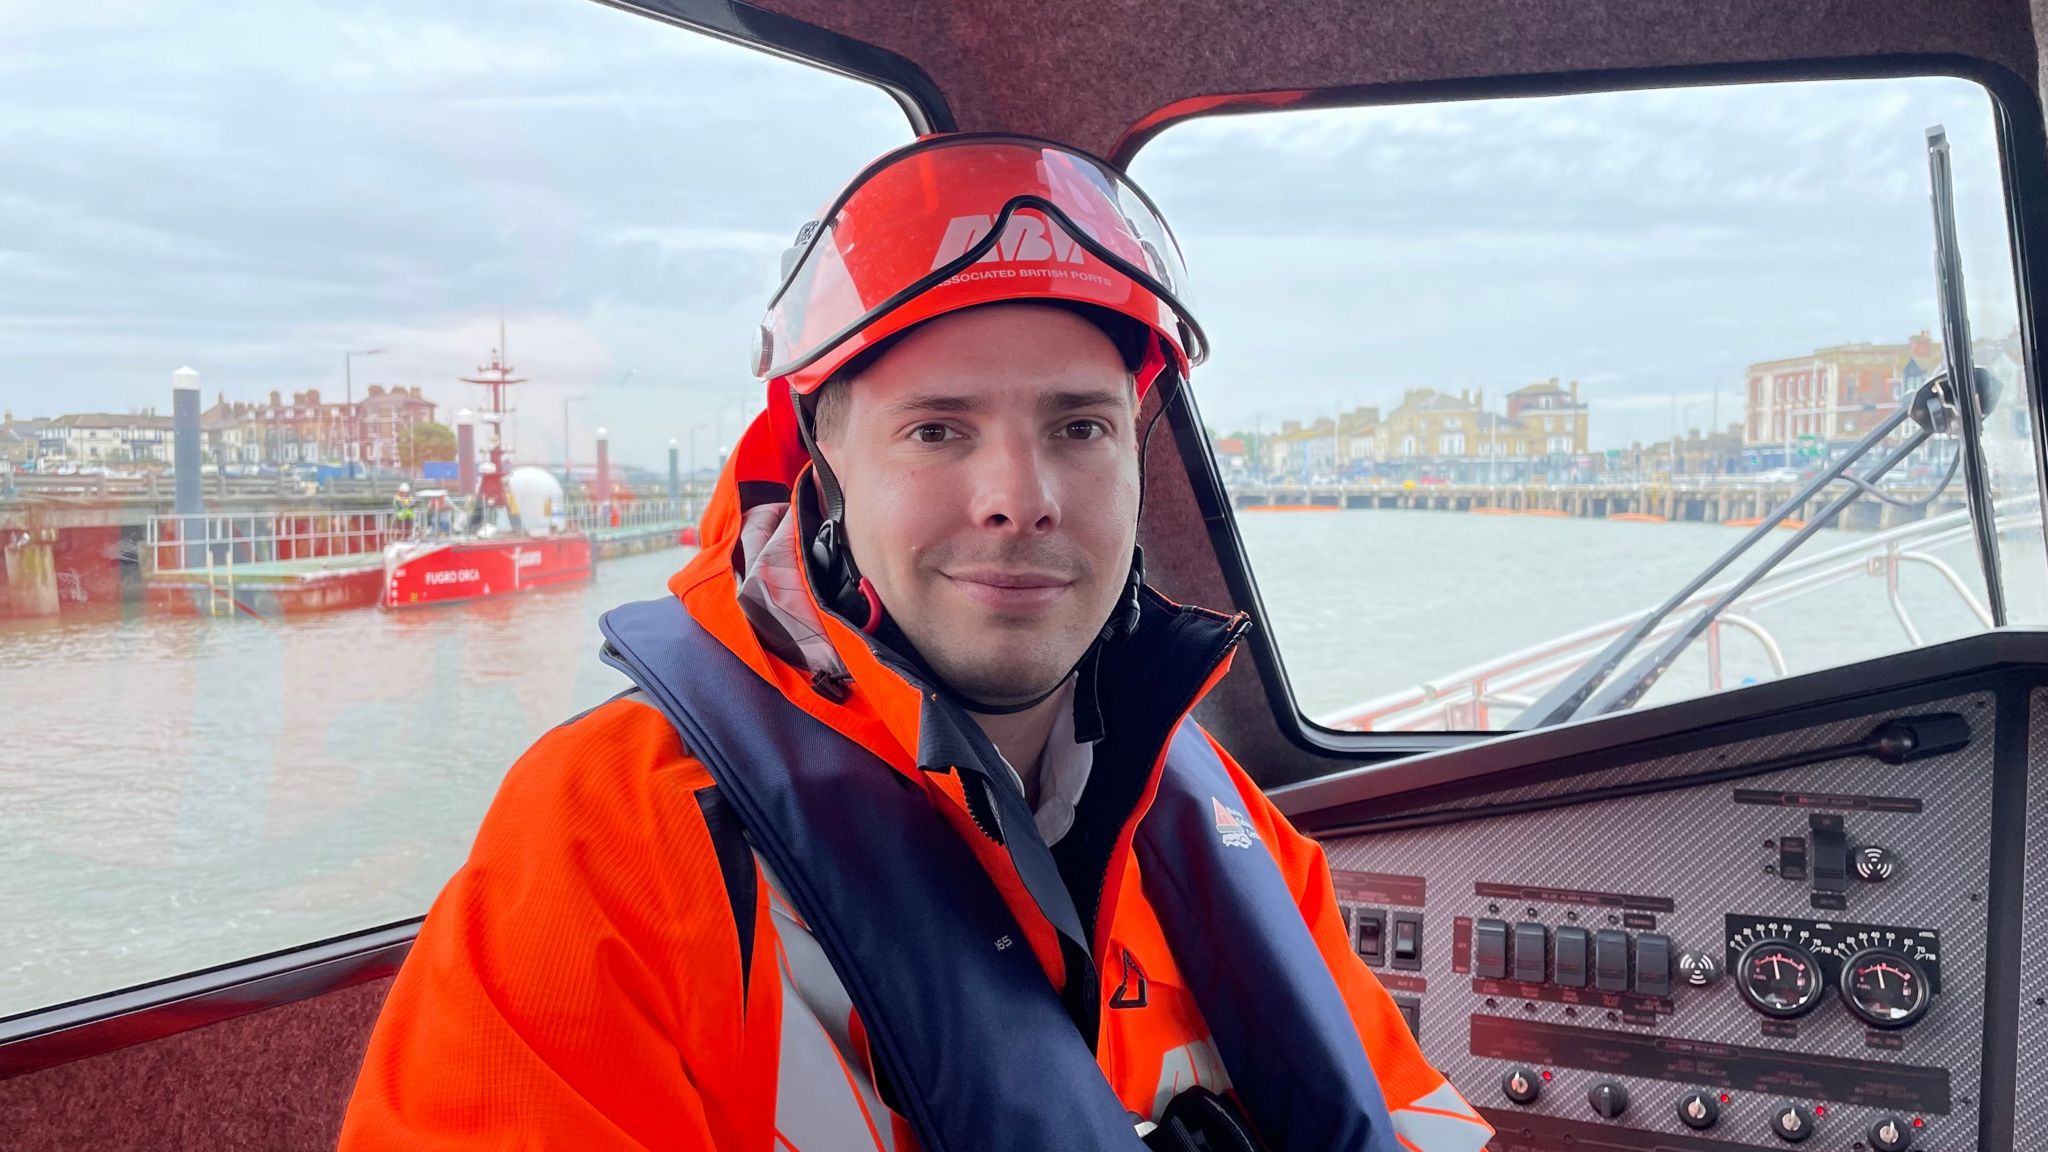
(1521, 1085)
(1891, 1135)
(1791, 1123)
(1608, 1099)
(1699, 1111)
(1875, 864)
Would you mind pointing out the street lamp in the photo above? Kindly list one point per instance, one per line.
(348, 450)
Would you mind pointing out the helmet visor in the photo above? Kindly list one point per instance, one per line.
(960, 220)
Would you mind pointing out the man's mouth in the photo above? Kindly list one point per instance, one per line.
(1012, 590)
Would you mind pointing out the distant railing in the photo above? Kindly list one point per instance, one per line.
(627, 514)
(1466, 700)
(191, 542)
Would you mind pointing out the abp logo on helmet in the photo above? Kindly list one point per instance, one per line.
(1029, 238)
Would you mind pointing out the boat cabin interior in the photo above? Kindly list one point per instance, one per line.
(1623, 433)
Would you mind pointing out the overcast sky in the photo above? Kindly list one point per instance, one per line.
(252, 189)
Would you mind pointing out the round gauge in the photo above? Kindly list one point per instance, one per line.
(1884, 988)
(1780, 979)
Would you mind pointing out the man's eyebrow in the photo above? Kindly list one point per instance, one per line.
(1055, 403)
(941, 402)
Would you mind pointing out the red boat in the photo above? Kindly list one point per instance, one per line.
(521, 538)
(422, 572)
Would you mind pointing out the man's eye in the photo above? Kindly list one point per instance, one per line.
(1086, 430)
(931, 433)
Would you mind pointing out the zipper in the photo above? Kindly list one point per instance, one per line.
(1100, 945)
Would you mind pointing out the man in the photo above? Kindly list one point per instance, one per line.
(903, 839)
(403, 510)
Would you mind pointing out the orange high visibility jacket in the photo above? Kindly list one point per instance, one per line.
(578, 982)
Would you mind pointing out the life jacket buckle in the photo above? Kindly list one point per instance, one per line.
(1199, 1120)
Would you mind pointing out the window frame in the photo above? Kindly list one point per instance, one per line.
(2018, 126)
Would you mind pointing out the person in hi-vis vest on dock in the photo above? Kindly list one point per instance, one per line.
(903, 837)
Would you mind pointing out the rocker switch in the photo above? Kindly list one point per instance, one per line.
(1572, 946)
(1407, 940)
(1532, 953)
(1490, 949)
(1610, 961)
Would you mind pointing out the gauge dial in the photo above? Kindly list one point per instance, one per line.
(1780, 979)
(1885, 988)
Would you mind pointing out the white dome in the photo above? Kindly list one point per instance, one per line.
(534, 498)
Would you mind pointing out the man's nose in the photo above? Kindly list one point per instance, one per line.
(1014, 486)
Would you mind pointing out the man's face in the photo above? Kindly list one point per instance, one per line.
(990, 467)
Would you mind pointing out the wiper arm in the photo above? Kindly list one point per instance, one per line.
(1972, 404)
(1568, 696)
(1624, 692)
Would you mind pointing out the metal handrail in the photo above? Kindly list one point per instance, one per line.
(626, 514)
(189, 542)
(1465, 698)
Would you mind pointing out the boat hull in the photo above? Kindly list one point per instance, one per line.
(424, 575)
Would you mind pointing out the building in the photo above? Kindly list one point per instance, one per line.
(1830, 397)
(20, 440)
(100, 438)
(384, 416)
(1233, 461)
(310, 430)
(1694, 454)
(1431, 425)
(1553, 419)
(1344, 445)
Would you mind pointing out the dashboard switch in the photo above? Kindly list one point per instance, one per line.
(1830, 860)
(1532, 953)
(1521, 1085)
(1490, 949)
(1891, 1135)
(1791, 1123)
(1699, 1111)
(1370, 935)
(1653, 964)
(1573, 943)
(1610, 961)
(1407, 951)
(1608, 1098)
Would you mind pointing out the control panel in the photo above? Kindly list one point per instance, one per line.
(1793, 957)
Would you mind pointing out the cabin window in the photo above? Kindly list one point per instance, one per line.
(217, 744)
(1666, 311)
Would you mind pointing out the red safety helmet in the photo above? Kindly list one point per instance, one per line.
(958, 220)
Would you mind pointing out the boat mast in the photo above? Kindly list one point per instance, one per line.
(496, 377)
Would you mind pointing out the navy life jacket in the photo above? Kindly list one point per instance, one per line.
(977, 1050)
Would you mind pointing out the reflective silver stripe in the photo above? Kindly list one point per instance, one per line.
(822, 1083)
(1442, 1122)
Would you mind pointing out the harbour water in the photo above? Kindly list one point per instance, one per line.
(179, 793)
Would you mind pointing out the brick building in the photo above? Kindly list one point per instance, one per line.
(1831, 396)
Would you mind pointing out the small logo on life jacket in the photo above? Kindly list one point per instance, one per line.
(1127, 995)
(1236, 831)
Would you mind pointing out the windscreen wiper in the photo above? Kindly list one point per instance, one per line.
(1572, 694)
(1931, 408)
(1972, 405)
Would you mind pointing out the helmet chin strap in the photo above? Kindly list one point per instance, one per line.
(836, 576)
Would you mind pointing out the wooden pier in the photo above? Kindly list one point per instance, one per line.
(1664, 502)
